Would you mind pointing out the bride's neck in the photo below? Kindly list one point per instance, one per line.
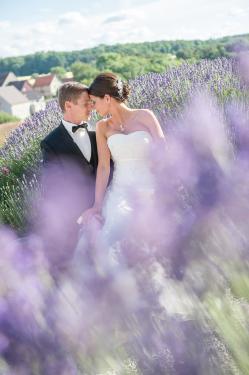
(120, 114)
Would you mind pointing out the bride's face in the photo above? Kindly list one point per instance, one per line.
(101, 105)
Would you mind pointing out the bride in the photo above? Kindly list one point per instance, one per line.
(127, 136)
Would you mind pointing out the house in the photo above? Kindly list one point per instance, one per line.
(15, 103)
(22, 86)
(47, 85)
(7, 77)
(30, 79)
(64, 80)
(36, 100)
(68, 77)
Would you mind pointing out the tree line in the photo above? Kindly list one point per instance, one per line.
(128, 60)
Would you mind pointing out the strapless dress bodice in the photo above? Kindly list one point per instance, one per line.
(131, 156)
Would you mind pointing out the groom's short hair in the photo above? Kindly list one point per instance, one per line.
(70, 91)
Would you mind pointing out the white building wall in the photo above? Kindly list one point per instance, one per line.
(37, 105)
(44, 90)
(21, 110)
(4, 106)
(55, 84)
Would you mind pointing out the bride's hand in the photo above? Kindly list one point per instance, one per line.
(88, 215)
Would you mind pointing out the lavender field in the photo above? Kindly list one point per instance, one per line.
(179, 303)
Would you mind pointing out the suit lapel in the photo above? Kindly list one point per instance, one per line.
(69, 145)
(94, 155)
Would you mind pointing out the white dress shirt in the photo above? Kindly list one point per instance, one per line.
(81, 138)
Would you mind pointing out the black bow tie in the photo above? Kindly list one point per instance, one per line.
(80, 126)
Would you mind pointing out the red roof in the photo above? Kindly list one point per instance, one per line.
(44, 80)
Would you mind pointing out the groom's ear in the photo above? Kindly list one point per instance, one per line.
(68, 105)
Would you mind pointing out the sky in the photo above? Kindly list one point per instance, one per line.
(28, 26)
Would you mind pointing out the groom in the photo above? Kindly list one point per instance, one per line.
(70, 163)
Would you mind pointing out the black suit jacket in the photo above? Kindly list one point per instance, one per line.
(68, 181)
(58, 147)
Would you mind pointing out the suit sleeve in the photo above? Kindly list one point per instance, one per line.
(49, 156)
(51, 169)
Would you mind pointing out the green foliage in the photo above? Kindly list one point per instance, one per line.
(5, 117)
(128, 60)
(239, 283)
(59, 71)
(230, 317)
(83, 72)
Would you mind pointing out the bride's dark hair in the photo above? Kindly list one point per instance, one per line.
(111, 84)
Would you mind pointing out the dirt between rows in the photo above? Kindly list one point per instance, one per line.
(5, 130)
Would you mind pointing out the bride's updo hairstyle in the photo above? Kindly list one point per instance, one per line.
(111, 84)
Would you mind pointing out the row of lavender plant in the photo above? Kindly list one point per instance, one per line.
(31, 129)
(166, 94)
(20, 161)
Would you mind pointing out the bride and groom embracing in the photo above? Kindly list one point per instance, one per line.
(102, 177)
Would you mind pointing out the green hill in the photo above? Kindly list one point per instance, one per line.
(129, 60)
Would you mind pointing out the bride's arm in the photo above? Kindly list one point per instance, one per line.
(103, 173)
(153, 126)
(103, 170)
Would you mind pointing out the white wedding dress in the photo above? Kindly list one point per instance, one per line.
(130, 194)
(132, 184)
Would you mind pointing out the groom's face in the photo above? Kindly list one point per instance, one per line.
(80, 110)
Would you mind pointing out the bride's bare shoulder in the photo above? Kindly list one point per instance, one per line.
(141, 112)
(102, 126)
(144, 114)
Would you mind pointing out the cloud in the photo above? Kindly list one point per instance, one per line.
(239, 11)
(43, 28)
(152, 20)
(71, 18)
(118, 18)
(4, 24)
